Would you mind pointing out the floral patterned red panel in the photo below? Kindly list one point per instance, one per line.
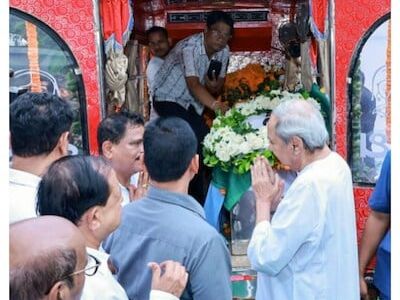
(361, 196)
(352, 20)
(74, 22)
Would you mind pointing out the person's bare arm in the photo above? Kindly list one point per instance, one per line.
(200, 92)
(375, 228)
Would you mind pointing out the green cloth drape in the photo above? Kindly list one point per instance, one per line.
(234, 184)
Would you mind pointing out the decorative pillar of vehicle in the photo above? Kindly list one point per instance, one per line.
(352, 22)
(33, 57)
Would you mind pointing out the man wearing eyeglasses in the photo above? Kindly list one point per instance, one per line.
(85, 190)
(182, 87)
(47, 259)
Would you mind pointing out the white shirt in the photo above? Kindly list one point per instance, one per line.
(124, 194)
(151, 71)
(124, 190)
(309, 249)
(103, 284)
(22, 195)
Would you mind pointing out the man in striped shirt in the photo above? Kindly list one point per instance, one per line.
(182, 87)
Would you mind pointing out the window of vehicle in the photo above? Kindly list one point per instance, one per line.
(41, 61)
(369, 96)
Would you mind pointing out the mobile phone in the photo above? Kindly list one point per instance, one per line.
(214, 67)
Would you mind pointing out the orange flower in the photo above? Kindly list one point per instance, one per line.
(251, 75)
(242, 84)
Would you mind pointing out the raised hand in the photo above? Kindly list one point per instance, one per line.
(220, 106)
(267, 187)
(169, 276)
(140, 191)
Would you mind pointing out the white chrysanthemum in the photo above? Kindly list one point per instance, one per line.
(226, 144)
(247, 110)
(255, 141)
(275, 92)
(217, 122)
(263, 134)
(233, 149)
(229, 113)
(245, 148)
(263, 131)
(238, 139)
(222, 152)
(208, 142)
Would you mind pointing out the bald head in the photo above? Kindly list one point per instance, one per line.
(43, 252)
(42, 235)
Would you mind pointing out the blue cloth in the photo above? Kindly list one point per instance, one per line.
(213, 206)
(169, 226)
(380, 202)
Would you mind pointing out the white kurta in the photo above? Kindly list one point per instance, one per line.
(22, 195)
(309, 249)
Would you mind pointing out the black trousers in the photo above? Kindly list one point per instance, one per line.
(199, 184)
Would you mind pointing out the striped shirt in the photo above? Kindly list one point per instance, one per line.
(187, 58)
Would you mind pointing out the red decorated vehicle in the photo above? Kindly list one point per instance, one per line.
(63, 46)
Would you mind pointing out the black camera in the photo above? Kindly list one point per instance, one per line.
(214, 67)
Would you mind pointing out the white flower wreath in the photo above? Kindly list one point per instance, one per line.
(233, 143)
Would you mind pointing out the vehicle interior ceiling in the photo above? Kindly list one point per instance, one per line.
(256, 21)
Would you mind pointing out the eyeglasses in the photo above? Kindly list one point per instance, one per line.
(218, 34)
(91, 267)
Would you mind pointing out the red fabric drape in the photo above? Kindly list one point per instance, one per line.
(319, 13)
(117, 21)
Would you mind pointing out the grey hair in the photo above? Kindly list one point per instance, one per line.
(35, 278)
(301, 118)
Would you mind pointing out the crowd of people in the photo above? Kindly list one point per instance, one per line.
(96, 232)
